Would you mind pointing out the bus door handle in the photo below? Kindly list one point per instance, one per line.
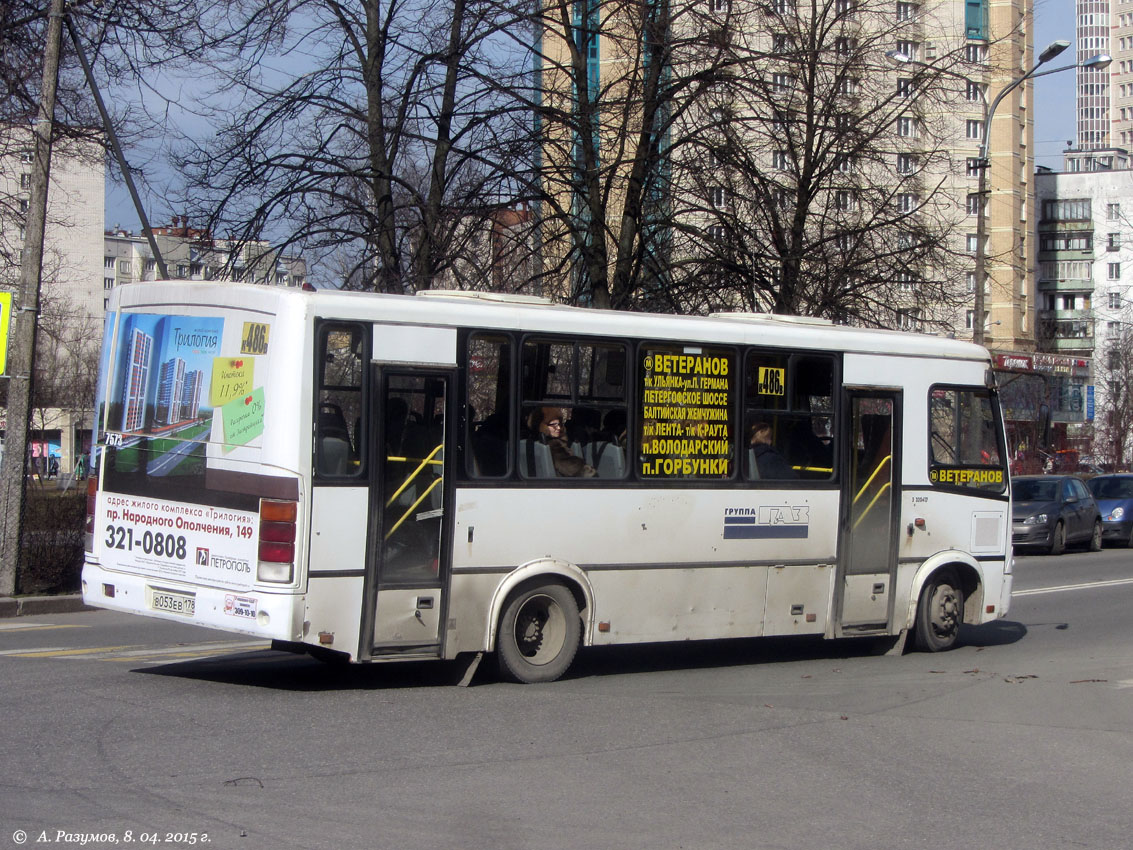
(424, 603)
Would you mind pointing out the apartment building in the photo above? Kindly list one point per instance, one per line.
(70, 294)
(969, 50)
(1085, 281)
(191, 253)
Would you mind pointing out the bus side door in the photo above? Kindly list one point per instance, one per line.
(407, 569)
(867, 563)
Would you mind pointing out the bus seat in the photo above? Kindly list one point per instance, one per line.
(334, 456)
(752, 466)
(610, 461)
(535, 459)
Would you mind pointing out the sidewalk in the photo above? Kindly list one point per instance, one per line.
(27, 606)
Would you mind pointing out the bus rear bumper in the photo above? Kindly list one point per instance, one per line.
(254, 612)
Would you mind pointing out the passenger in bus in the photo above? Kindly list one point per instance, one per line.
(768, 461)
(547, 422)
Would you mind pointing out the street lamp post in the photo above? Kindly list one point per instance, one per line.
(983, 162)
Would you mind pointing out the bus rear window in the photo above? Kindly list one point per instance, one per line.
(964, 449)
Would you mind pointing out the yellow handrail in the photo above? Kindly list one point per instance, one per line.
(869, 480)
(409, 480)
(413, 507)
(872, 502)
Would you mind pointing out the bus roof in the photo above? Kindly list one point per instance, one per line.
(507, 312)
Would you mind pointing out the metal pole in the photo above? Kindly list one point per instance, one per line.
(25, 315)
(123, 166)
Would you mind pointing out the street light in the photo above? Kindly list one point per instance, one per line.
(1099, 62)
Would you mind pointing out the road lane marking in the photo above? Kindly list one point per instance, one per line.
(136, 653)
(1089, 585)
(35, 627)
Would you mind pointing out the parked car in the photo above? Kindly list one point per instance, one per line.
(1051, 511)
(1114, 495)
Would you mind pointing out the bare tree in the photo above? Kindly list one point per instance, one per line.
(389, 119)
(1113, 417)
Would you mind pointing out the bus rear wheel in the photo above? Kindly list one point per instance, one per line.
(940, 612)
(538, 633)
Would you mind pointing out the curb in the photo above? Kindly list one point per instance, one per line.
(28, 606)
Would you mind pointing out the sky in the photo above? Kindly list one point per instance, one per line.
(1054, 95)
(1053, 105)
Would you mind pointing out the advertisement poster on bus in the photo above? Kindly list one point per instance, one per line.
(178, 541)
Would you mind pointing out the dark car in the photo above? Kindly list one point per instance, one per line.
(1114, 495)
(1051, 511)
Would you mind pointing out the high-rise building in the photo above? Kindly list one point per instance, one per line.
(136, 380)
(970, 49)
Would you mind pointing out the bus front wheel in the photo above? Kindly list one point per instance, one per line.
(538, 633)
(940, 612)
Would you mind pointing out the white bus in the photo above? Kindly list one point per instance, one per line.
(406, 477)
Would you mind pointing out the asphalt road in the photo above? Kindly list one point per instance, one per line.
(1020, 738)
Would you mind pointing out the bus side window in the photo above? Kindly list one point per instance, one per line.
(793, 395)
(582, 387)
(338, 412)
(488, 434)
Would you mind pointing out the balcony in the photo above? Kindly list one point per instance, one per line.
(1066, 285)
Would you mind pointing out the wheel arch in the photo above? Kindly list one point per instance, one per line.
(968, 572)
(542, 569)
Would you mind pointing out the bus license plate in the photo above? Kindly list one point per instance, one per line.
(174, 603)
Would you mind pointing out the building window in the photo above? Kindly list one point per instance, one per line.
(718, 5)
(782, 83)
(974, 130)
(780, 43)
(907, 126)
(108, 283)
(843, 164)
(1066, 209)
(719, 196)
(906, 163)
(847, 86)
(907, 202)
(1114, 300)
(26, 157)
(975, 93)
(908, 320)
(844, 46)
(108, 262)
(1113, 271)
(906, 11)
(784, 7)
(23, 205)
(844, 200)
(25, 182)
(973, 166)
(1112, 212)
(124, 267)
(717, 232)
(906, 281)
(970, 279)
(780, 160)
(971, 242)
(904, 87)
(910, 48)
(975, 53)
(974, 203)
(845, 8)
(1113, 241)
(970, 319)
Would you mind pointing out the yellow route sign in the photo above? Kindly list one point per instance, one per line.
(5, 319)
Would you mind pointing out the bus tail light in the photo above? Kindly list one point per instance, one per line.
(88, 529)
(277, 540)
